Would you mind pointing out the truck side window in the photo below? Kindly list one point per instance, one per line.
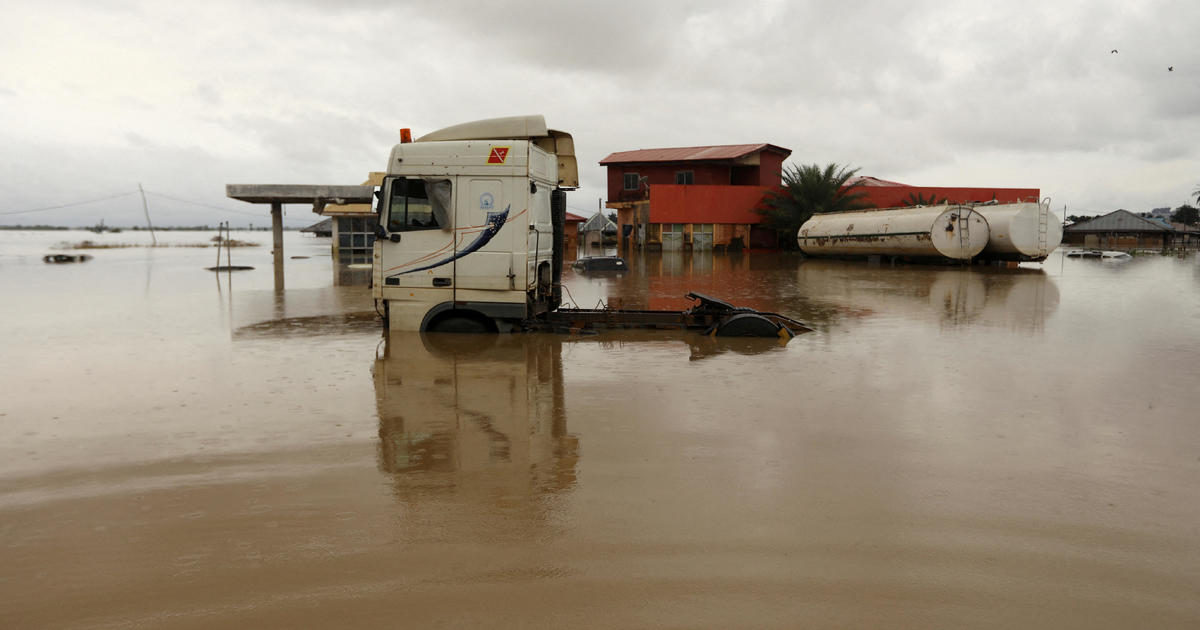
(413, 208)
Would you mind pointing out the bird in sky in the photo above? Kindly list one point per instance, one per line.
(1170, 68)
(1114, 51)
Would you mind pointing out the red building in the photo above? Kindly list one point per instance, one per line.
(692, 197)
(706, 197)
(571, 235)
(884, 194)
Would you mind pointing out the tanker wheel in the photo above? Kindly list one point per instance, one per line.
(459, 324)
(747, 325)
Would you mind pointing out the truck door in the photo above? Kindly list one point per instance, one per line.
(491, 220)
(419, 248)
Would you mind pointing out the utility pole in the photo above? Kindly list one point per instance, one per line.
(146, 209)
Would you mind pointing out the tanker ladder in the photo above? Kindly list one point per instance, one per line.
(1044, 227)
(709, 316)
(964, 234)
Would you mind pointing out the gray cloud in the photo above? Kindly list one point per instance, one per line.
(187, 98)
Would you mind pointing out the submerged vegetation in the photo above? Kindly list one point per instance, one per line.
(808, 190)
(95, 245)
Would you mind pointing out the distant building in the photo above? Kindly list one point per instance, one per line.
(1122, 229)
(693, 197)
(571, 236)
(595, 231)
(354, 228)
(320, 229)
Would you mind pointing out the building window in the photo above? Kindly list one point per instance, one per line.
(356, 236)
(673, 227)
(703, 228)
(685, 177)
(632, 181)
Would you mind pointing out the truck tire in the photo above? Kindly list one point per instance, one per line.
(747, 325)
(459, 324)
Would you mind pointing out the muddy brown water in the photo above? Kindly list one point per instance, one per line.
(949, 448)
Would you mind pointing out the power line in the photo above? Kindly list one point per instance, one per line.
(207, 205)
(134, 192)
(69, 205)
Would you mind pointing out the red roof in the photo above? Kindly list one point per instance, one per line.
(687, 154)
(866, 180)
(575, 218)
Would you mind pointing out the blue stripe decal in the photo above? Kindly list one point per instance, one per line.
(495, 221)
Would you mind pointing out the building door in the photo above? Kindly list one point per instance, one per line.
(486, 241)
(702, 237)
(672, 237)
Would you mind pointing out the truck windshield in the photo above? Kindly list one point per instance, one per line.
(419, 204)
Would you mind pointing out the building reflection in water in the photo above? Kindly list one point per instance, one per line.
(475, 415)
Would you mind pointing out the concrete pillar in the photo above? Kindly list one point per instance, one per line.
(277, 233)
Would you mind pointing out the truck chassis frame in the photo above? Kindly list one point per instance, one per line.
(709, 315)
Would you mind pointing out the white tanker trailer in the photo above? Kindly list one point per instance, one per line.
(1020, 231)
(938, 232)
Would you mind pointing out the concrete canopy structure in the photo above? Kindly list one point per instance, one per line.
(278, 194)
(299, 193)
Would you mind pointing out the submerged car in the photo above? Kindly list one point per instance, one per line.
(600, 263)
(1096, 253)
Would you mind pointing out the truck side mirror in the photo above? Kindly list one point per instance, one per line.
(380, 232)
(394, 237)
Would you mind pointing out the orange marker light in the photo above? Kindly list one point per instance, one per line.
(405, 135)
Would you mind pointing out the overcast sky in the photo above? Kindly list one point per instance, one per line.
(184, 98)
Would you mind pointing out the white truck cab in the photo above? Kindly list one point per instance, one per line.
(471, 224)
(470, 239)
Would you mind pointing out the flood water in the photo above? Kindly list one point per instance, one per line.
(950, 448)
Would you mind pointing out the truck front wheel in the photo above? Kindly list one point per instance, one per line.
(459, 324)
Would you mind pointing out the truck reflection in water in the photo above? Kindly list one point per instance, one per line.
(474, 414)
(704, 346)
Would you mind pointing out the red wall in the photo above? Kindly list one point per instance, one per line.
(766, 173)
(671, 203)
(705, 204)
(895, 196)
(704, 175)
(770, 167)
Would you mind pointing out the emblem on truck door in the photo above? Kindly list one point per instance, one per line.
(495, 221)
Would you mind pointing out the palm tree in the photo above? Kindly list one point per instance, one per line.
(1196, 193)
(918, 199)
(809, 190)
